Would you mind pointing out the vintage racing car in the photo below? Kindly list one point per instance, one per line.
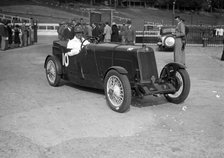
(122, 71)
(166, 39)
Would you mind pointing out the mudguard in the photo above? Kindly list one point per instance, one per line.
(174, 65)
(119, 69)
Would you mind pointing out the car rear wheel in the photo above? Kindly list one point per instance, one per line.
(118, 91)
(181, 81)
(52, 73)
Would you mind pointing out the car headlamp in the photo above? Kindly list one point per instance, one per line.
(169, 41)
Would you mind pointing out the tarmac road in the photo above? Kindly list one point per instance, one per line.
(40, 121)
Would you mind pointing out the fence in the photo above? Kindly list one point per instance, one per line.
(204, 35)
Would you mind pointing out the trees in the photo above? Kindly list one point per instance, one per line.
(208, 5)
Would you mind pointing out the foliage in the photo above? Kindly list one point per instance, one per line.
(208, 5)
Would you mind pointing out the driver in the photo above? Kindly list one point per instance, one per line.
(76, 43)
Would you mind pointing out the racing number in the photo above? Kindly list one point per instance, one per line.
(65, 59)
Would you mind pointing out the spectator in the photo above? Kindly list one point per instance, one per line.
(107, 33)
(60, 30)
(17, 33)
(4, 36)
(23, 34)
(115, 33)
(68, 32)
(101, 28)
(96, 31)
(88, 30)
(1, 32)
(123, 32)
(179, 54)
(130, 34)
(9, 29)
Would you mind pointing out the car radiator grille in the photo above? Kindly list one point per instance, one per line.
(147, 66)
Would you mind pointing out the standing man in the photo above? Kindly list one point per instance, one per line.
(179, 53)
(68, 32)
(115, 33)
(107, 33)
(88, 30)
(130, 34)
(123, 32)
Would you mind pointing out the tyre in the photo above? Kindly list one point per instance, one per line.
(181, 81)
(52, 72)
(118, 91)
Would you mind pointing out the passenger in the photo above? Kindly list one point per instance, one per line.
(76, 43)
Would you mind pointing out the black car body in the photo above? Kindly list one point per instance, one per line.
(122, 71)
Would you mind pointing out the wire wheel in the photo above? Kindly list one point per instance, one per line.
(115, 91)
(52, 72)
(118, 91)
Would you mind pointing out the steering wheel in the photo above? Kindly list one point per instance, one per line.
(91, 39)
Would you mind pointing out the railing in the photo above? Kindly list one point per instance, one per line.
(16, 19)
(47, 29)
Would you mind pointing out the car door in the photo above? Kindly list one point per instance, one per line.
(89, 67)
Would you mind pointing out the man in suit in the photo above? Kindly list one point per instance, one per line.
(68, 32)
(130, 34)
(179, 53)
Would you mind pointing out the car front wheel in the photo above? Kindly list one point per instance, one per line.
(181, 81)
(118, 91)
(52, 73)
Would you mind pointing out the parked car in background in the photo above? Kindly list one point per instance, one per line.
(166, 39)
(122, 71)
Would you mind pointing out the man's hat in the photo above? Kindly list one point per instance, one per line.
(129, 22)
(78, 29)
(177, 17)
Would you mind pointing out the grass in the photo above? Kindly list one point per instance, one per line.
(46, 13)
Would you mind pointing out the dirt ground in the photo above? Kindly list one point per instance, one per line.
(40, 121)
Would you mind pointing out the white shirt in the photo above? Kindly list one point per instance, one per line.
(107, 32)
(75, 45)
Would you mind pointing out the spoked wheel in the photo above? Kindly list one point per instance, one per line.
(118, 91)
(181, 81)
(52, 72)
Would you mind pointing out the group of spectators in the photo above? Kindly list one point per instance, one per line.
(104, 32)
(15, 34)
